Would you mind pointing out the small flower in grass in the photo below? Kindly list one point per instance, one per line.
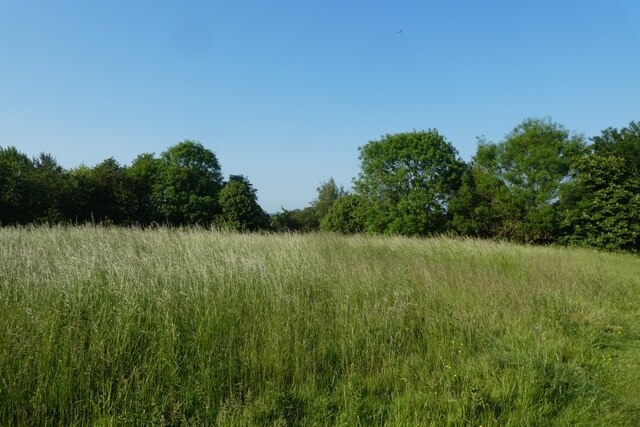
(616, 329)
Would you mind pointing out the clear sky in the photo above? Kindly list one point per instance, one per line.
(286, 91)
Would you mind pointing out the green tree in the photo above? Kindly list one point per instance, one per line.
(328, 193)
(187, 186)
(601, 207)
(16, 186)
(143, 174)
(75, 205)
(623, 144)
(302, 220)
(100, 194)
(347, 215)
(309, 218)
(472, 210)
(517, 183)
(239, 204)
(111, 195)
(50, 184)
(408, 179)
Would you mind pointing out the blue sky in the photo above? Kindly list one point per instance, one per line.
(286, 91)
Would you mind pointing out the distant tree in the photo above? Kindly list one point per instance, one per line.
(408, 180)
(50, 186)
(347, 215)
(111, 194)
(601, 207)
(301, 220)
(100, 194)
(623, 144)
(282, 221)
(517, 182)
(309, 218)
(76, 206)
(143, 174)
(328, 193)
(239, 204)
(188, 183)
(16, 187)
(471, 207)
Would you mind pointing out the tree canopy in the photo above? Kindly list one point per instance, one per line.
(328, 193)
(188, 181)
(181, 187)
(347, 215)
(408, 180)
(602, 206)
(15, 186)
(516, 183)
(240, 210)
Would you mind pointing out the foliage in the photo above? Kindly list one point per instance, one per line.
(239, 204)
(471, 208)
(15, 187)
(143, 175)
(49, 190)
(99, 194)
(309, 219)
(110, 192)
(408, 179)
(602, 206)
(179, 188)
(623, 144)
(328, 193)
(518, 183)
(303, 220)
(187, 186)
(347, 215)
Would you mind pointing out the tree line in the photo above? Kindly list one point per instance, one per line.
(541, 184)
(183, 186)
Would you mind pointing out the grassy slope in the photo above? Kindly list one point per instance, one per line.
(113, 326)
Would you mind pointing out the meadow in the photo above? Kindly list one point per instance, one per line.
(117, 326)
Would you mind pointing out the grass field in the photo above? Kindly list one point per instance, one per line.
(109, 326)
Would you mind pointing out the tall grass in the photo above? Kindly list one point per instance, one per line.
(111, 326)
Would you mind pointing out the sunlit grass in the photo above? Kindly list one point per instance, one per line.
(123, 326)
